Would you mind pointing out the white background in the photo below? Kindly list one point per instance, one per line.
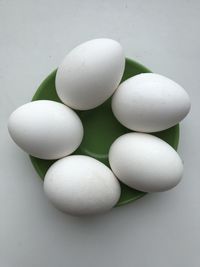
(159, 230)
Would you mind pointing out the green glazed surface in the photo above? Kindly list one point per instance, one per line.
(100, 129)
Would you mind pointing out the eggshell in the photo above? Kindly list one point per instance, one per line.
(150, 102)
(145, 162)
(90, 73)
(46, 129)
(81, 185)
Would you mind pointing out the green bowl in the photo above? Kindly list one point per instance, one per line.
(100, 129)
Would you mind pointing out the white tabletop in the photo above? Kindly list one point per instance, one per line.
(159, 230)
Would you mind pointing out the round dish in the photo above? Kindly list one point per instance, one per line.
(100, 129)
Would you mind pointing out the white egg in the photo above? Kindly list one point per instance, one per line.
(90, 73)
(46, 129)
(150, 102)
(81, 185)
(145, 162)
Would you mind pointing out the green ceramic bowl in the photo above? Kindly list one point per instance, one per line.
(100, 129)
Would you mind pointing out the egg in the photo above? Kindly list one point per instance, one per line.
(46, 129)
(145, 162)
(81, 185)
(90, 73)
(150, 102)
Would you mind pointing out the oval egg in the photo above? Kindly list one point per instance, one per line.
(81, 185)
(150, 102)
(90, 73)
(46, 129)
(145, 162)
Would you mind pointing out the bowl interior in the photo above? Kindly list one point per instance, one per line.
(100, 129)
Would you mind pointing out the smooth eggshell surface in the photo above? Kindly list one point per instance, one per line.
(46, 129)
(145, 162)
(150, 102)
(90, 73)
(81, 185)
